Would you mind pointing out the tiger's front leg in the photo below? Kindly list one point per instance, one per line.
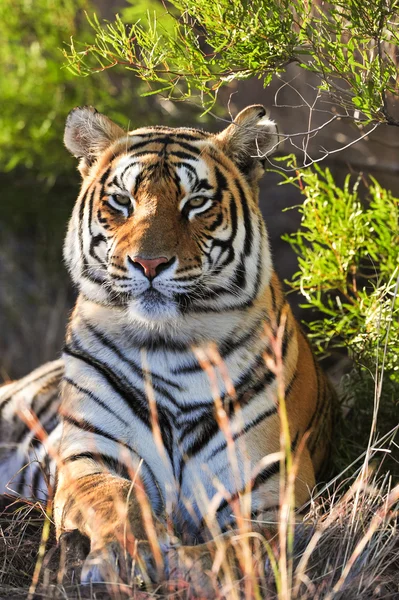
(111, 477)
(106, 509)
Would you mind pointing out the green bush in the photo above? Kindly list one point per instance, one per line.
(38, 91)
(348, 254)
(348, 258)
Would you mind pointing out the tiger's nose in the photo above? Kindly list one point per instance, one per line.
(150, 266)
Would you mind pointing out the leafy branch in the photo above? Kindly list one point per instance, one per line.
(201, 45)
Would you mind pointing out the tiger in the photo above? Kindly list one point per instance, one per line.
(181, 349)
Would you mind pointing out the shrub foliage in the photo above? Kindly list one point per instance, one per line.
(351, 45)
(348, 254)
(39, 91)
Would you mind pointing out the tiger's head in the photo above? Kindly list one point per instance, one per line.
(167, 222)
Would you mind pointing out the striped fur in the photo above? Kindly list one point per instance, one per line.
(191, 198)
(25, 467)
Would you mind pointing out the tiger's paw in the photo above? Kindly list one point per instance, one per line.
(190, 566)
(64, 562)
(113, 564)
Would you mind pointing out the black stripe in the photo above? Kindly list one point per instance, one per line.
(241, 305)
(247, 219)
(192, 138)
(288, 388)
(80, 224)
(202, 184)
(25, 384)
(188, 408)
(110, 462)
(86, 426)
(256, 378)
(217, 222)
(105, 176)
(87, 272)
(165, 140)
(246, 390)
(88, 392)
(261, 417)
(178, 132)
(46, 470)
(90, 216)
(107, 342)
(181, 154)
(265, 474)
(216, 292)
(261, 478)
(221, 182)
(132, 396)
(38, 414)
(95, 241)
(240, 276)
(189, 168)
(194, 149)
(273, 294)
(287, 337)
(36, 480)
(54, 396)
(227, 347)
(21, 483)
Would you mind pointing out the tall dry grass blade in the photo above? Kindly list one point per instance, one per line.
(379, 377)
(158, 439)
(212, 364)
(42, 549)
(274, 361)
(379, 518)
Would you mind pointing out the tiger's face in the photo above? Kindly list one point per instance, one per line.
(167, 222)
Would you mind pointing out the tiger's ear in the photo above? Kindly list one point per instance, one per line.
(249, 139)
(88, 133)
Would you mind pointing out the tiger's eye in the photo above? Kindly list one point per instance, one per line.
(121, 199)
(197, 202)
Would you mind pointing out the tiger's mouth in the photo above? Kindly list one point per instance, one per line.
(152, 299)
(152, 306)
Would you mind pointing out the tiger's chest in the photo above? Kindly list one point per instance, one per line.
(175, 413)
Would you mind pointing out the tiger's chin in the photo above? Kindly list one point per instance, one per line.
(153, 308)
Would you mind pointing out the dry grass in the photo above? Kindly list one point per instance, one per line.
(338, 554)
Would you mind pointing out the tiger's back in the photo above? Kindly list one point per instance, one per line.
(26, 469)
